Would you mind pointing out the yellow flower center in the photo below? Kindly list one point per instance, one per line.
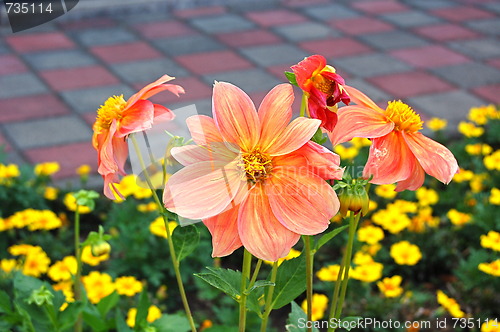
(403, 117)
(256, 165)
(111, 110)
(322, 83)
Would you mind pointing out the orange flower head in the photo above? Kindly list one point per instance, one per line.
(323, 87)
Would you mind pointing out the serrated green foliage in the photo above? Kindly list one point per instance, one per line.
(297, 315)
(291, 78)
(290, 281)
(226, 280)
(328, 236)
(186, 239)
(108, 303)
(142, 310)
(172, 323)
(319, 137)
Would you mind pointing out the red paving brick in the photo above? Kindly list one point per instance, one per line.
(275, 17)
(361, 25)
(379, 7)
(163, 29)
(212, 62)
(78, 78)
(409, 84)
(32, 107)
(4, 144)
(125, 52)
(335, 47)
(489, 92)
(461, 13)
(429, 56)
(445, 32)
(39, 42)
(203, 11)
(248, 38)
(10, 64)
(69, 156)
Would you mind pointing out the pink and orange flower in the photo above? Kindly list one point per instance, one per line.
(323, 87)
(254, 178)
(399, 152)
(117, 119)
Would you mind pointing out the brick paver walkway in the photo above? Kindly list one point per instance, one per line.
(440, 56)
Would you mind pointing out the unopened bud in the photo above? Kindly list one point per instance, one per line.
(354, 198)
(100, 248)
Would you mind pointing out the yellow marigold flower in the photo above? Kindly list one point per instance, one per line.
(361, 258)
(458, 218)
(67, 288)
(478, 149)
(36, 263)
(468, 129)
(367, 272)
(370, 234)
(346, 152)
(50, 193)
(492, 268)
(128, 286)
(8, 265)
(45, 220)
(386, 191)
(84, 170)
(391, 220)
(436, 124)
(423, 219)
(9, 171)
(98, 286)
(63, 270)
(427, 196)
(391, 287)
(449, 304)
(154, 313)
(372, 205)
(90, 259)
(292, 254)
(46, 169)
(6, 224)
(495, 196)
(329, 273)
(23, 249)
(149, 207)
(157, 227)
(492, 162)
(403, 206)
(463, 175)
(70, 202)
(491, 240)
(480, 115)
(371, 249)
(360, 142)
(491, 325)
(127, 185)
(142, 193)
(405, 253)
(319, 306)
(476, 184)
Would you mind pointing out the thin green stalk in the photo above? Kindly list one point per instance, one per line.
(245, 275)
(173, 254)
(269, 300)
(303, 105)
(78, 253)
(255, 273)
(309, 278)
(336, 291)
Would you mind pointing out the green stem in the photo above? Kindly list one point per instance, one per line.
(255, 273)
(336, 291)
(78, 253)
(173, 254)
(309, 278)
(245, 275)
(269, 300)
(303, 105)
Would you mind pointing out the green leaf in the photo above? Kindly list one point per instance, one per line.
(291, 78)
(296, 318)
(185, 240)
(121, 324)
(319, 137)
(67, 318)
(255, 300)
(328, 236)
(142, 310)
(5, 306)
(92, 317)
(107, 303)
(172, 323)
(290, 281)
(226, 280)
(259, 284)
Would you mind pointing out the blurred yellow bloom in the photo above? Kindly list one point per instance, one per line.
(372, 205)
(50, 193)
(405, 253)
(154, 313)
(70, 202)
(36, 263)
(492, 162)
(468, 129)
(98, 286)
(128, 286)
(476, 184)
(149, 207)
(292, 254)
(478, 149)
(371, 249)
(46, 169)
(391, 287)
(157, 227)
(423, 219)
(491, 325)
(370, 234)
(8, 265)
(360, 142)
(9, 171)
(436, 124)
(495, 196)
(329, 273)
(403, 206)
(64, 269)
(67, 288)
(361, 258)
(84, 170)
(367, 272)
(23, 249)
(458, 218)
(90, 259)
(492, 268)
(346, 152)
(449, 304)
(206, 324)
(44, 219)
(391, 220)
(463, 175)
(427, 196)
(319, 306)
(386, 191)
(491, 240)
(480, 115)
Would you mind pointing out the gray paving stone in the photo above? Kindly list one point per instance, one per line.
(479, 49)
(330, 12)
(49, 131)
(222, 23)
(187, 45)
(492, 6)
(103, 36)
(453, 106)
(411, 19)
(374, 93)
(371, 65)
(87, 100)
(306, 31)
(3, 48)
(251, 80)
(393, 40)
(270, 55)
(469, 75)
(431, 4)
(20, 85)
(486, 26)
(59, 59)
(147, 71)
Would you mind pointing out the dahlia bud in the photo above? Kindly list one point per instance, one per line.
(354, 198)
(100, 248)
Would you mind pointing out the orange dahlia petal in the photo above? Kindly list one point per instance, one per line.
(224, 230)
